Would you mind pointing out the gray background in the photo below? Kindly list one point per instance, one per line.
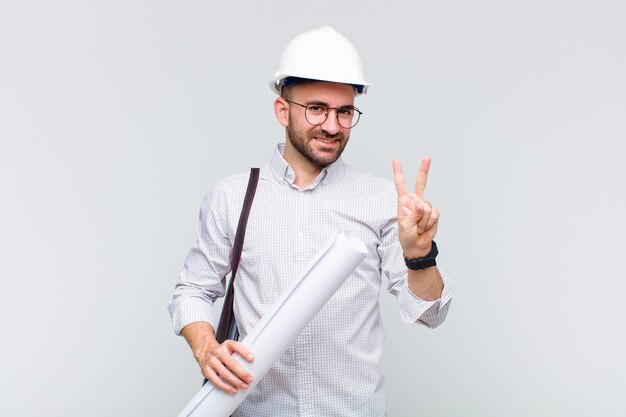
(117, 117)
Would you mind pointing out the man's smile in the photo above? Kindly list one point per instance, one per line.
(327, 141)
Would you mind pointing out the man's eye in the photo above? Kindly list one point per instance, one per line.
(346, 112)
(317, 109)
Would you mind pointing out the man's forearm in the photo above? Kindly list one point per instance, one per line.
(426, 283)
(198, 335)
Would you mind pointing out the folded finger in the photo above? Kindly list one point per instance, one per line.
(434, 218)
(422, 224)
(431, 227)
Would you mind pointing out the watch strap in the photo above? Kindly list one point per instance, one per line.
(423, 262)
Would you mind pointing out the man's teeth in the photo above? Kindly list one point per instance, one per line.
(326, 140)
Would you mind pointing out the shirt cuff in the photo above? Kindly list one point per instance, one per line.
(190, 311)
(431, 313)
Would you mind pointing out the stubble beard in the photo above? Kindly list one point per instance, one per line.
(302, 143)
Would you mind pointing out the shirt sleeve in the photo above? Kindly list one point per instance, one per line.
(412, 308)
(202, 279)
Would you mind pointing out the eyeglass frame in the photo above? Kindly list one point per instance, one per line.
(306, 107)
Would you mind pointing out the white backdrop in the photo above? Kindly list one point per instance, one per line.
(117, 117)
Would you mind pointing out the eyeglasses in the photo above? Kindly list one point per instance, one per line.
(317, 113)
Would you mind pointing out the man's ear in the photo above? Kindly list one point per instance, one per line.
(281, 110)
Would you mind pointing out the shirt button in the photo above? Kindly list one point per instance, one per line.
(301, 365)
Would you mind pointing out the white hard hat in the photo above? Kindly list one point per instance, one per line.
(320, 54)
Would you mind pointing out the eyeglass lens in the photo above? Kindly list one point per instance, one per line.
(347, 117)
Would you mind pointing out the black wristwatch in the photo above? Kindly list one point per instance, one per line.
(425, 261)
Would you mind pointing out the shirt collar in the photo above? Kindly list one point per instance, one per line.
(283, 172)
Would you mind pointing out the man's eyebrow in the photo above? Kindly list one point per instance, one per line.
(345, 106)
(316, 102)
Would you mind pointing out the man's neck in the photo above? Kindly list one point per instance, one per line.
(306, 172)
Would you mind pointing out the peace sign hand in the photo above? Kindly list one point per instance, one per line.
(417, 218)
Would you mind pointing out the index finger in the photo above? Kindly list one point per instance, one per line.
(422, 177)
(398, 178)
(242, 350)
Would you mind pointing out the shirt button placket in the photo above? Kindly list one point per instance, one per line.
(298, 224)
(299, 218)
(301, 221)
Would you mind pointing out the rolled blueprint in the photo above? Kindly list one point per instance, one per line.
(280, 326)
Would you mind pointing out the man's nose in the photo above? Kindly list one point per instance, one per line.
(331, 124)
